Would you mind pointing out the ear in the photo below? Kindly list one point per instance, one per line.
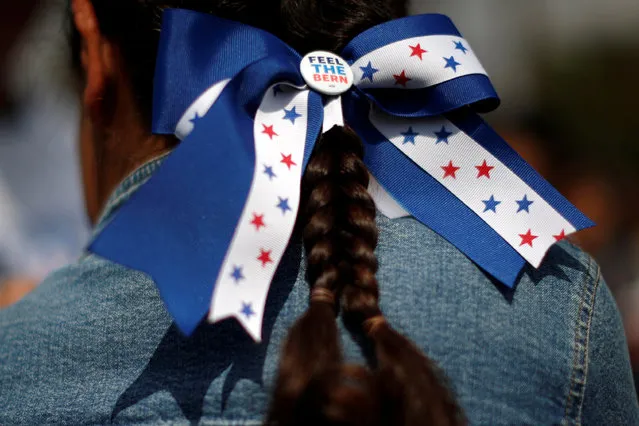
(96, 55)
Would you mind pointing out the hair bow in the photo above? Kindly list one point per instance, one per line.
(211, 226)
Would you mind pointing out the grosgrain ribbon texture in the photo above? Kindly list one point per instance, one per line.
(211, 226)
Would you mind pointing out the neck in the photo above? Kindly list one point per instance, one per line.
(111, 153)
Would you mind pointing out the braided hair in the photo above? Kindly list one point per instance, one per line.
(314, 386)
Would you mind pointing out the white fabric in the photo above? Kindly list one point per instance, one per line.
(394, 58)
(333, 114)
(385, 202)
(231, 295)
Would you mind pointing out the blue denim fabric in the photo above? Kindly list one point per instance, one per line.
(94, 344)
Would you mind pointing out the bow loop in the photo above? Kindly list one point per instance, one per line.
(196, 51)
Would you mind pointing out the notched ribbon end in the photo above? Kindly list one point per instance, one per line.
(248, 319)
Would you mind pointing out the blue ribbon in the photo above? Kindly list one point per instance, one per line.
(178, 227)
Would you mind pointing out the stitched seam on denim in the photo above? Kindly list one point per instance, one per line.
(575, 397)
(595, 287)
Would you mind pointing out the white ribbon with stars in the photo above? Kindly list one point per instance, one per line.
(434, 59)
(482, 182)
(270, 212)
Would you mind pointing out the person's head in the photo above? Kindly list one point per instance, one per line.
(115, 44)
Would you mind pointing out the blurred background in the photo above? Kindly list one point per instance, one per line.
(566, 71)
(42, 221)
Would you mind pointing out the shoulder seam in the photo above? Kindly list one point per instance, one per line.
(575, 397)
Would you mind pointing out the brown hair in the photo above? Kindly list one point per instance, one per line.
(314, 386)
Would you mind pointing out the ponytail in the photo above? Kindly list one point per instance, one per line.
(340, 237)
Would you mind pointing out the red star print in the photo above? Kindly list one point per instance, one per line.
(265, 257)
(402, 79)
(417, 51)
(484, 170)
(258, 221)
(561, 236)
(286, 159)
(268, 130)
(527, 238)
(450, 170)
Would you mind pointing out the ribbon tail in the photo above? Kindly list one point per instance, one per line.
(179, 226)
(435, 207)
(280, 133)
(181, 243)
(477, 129)
(446, 183)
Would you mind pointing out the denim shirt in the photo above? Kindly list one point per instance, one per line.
(95, 345)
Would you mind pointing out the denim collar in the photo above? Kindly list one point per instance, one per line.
(125, 189)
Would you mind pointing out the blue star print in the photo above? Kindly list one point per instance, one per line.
(195, 119)
(369, 71)
(268, 170)
(442, 135)
(291, 115)
(247, 310)
(451, 63)
(460, 46)
(283, 204)
(237, 274)
(491, 204)
(524, 204)
(409, 136)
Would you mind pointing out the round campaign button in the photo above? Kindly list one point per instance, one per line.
(326, 73)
